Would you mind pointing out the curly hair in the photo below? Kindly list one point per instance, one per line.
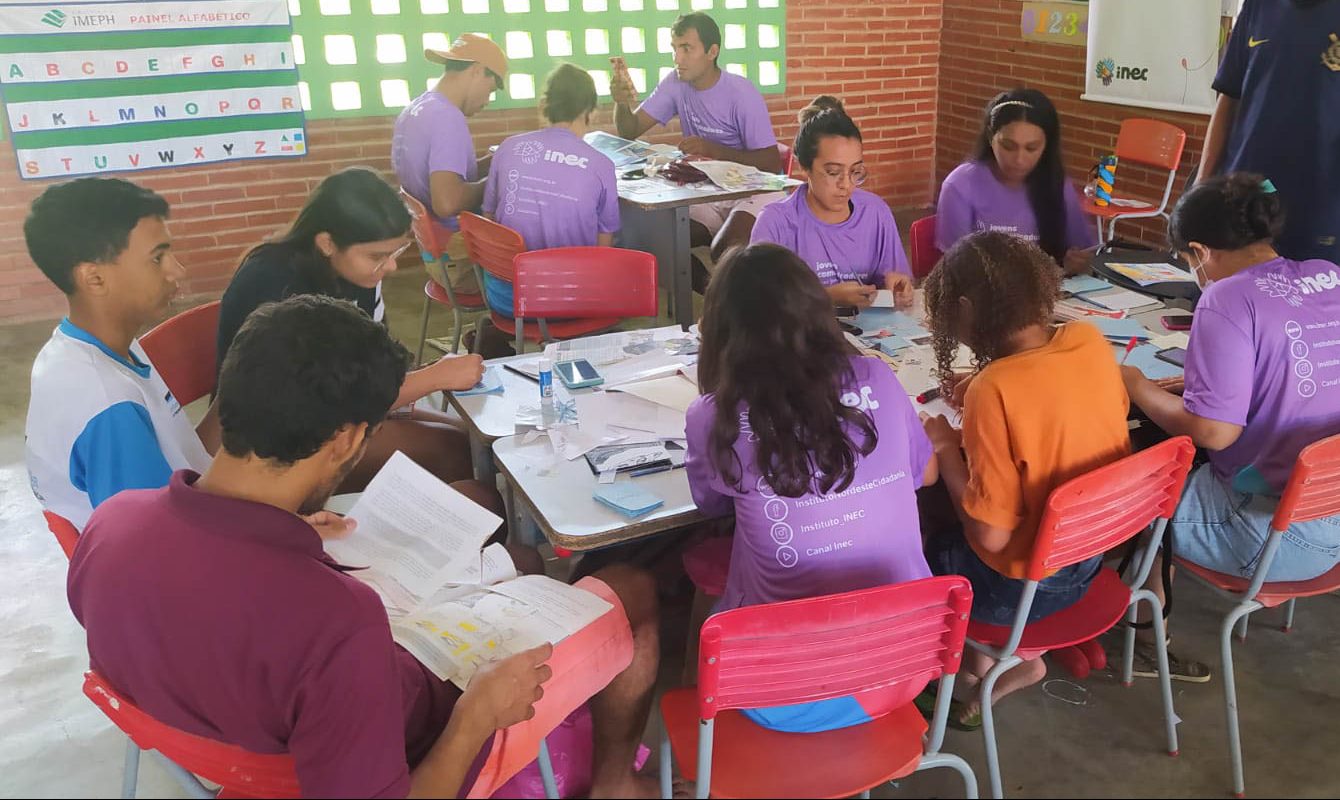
(774, 357)
(1009, 284)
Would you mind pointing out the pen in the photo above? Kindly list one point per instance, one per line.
(928, 395)
(1129, 347)
(638, 473)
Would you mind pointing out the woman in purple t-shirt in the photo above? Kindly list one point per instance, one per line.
(816, 449)
(1015, 183)
(846, 234)
(1261, 381)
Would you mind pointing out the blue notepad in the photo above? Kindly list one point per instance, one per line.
(1079, 284)
(1144, 358)
(490, 383)
(1120, 330)
(897, 323)
(627, 498)
(892, 345)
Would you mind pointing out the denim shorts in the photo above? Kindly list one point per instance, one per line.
(996, 597)
(1226, 531)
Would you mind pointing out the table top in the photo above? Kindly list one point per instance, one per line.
(492, 416)
(558, 493)
(652, 194)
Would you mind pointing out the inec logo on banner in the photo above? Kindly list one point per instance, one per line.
(1108, 71)
(55, 18)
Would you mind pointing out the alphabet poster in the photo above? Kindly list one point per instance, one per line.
(1154, 53)
(101, 87)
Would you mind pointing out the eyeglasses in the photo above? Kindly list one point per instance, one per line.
(392, 257)
(857, 175)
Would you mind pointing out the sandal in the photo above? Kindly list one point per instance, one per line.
(925, 703)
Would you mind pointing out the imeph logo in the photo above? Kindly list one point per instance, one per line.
(55, 18)
(1107, 71)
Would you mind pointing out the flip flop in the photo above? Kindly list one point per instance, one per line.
(925, 703)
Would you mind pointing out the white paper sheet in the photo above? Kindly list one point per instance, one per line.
(644, 367)
(1120, 299)
(883, 299)
(675, 391)
(414, 533)
(620, 410)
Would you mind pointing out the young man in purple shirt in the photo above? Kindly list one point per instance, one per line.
(213, 607)
(723, 117)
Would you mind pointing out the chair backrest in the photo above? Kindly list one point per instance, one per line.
(1101, 509)
(924, 254)
(819, 648)
(425, 230)
(1313, 490)
(1150, 142)
(237, 770)
(491, 245)
(184, 350)
(585, 282)
(788, 158)
(67, 536)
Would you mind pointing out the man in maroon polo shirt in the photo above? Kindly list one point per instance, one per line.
(211, 604)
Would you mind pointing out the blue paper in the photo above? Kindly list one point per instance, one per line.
(1144, 358)
(627, 498)
(1079, 284)
(897, 323)
(489, 384)
(1120, 330)
(892, 345)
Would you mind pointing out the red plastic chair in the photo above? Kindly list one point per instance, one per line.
(239, 772)
(817, 649)
(432, 241)
(924, 254)
(184, 350)
(67, 536)
(592, 287)
(1150, 143)
(1313, 492)
(1088, 516)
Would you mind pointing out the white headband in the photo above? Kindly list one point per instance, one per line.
(1002, 104)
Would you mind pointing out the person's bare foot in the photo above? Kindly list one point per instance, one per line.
(633, 785)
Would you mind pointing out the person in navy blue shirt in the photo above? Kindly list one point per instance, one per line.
(1279, 115)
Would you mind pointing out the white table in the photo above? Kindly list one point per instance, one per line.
(655, 218)
(556, 493)
(489, 417)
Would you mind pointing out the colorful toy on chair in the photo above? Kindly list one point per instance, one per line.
(1107, 174)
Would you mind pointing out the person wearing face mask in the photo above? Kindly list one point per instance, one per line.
(845, 234)
(1279, 87)
(1015, 183)
(345, 239)
(1262, 382)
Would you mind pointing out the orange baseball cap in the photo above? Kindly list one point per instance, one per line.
(471, 47)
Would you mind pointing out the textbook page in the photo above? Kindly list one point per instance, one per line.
(415, 534)
(454, 638)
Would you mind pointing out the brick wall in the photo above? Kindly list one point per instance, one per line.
(983, 53)
(881, 58)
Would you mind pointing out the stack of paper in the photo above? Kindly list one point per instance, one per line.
(1072, 309)
(1079, 284)
(627, 498)
(1121, 330)
(1120, 299)
(1150, 274)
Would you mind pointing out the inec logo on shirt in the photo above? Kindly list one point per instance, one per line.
(531, 151)
(1292, 291)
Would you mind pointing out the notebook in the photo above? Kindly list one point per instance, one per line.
(627, 498)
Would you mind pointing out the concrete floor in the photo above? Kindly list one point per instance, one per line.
(1087, 739)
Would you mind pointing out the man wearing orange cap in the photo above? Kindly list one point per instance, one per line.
(431, 149)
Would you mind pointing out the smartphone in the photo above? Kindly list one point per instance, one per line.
(1173, 355)
(578, 374)
(1177, 322)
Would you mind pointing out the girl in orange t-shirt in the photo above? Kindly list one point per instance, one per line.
(1045, 404)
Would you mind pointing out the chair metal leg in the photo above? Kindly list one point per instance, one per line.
(423, 328)
(130, 773)
(1165, 675)
(951, 761)
(706, 729)
(988, 687)
(455, 330)
(864, 795)
(547, 772)
(1231, 694)
(1288, 615)
(1128, 646)
(667, 766)
(186, 780)
(1242, 628)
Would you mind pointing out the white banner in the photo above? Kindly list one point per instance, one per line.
(146, 62)
(50, 115)
(186, 151)
(1153, 53)
(108, 17)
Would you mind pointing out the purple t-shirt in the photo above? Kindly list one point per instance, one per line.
(1265, 354)
(430, 135)
(224, 618)
(973, 199)
(792, 547)
(864, 248)
(732, 113)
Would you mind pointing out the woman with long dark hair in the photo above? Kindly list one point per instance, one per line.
(815, 448)
(343, 242)
(1015, 183)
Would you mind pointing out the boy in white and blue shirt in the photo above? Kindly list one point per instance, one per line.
(100, 418)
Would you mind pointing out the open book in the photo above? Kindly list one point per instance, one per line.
(451, 605)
